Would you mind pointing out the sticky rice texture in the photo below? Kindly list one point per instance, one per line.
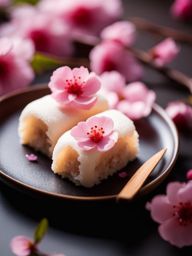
(88, 168)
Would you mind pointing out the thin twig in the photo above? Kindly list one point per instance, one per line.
(173, 74)
(145, 25)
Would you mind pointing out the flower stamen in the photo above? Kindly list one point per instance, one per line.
(183, 212)
(74, 87)
(96, 134)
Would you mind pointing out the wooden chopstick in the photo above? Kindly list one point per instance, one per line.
(138, 179)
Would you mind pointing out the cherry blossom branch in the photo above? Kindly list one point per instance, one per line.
(172, 74)
(179, 36)
(144, 57)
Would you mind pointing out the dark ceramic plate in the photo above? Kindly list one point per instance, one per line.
(156, 131)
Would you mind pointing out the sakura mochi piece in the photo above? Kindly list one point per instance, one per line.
(96, 148)
(42, 122)
(74, 98)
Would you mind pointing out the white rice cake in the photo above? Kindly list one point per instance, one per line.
(88, 168)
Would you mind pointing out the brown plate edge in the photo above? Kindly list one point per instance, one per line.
(145, 190)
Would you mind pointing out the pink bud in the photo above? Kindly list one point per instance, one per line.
(182, 9)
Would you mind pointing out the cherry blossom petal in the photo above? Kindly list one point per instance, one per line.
(178, 235)
(185, 193)
(85, 102)
(91, 86)
(105, 122)
(182, 9)
(72, 98)
(112, 99)
(21, 246)
(59, 77)
(4, 3)
(172, 191)
(84, 16)
(136, 91)
(23, 48)
(31, 157)
(123, 32)
(160, 208)
(189, 174)
(86, 145)
(16, 72)
(113, 81)
(6, 46)
(181, 114)
(164, 52)
(135, 110)
(79, 132)
(61, 97)
(81, 72)
(110, 56)
(107, 142)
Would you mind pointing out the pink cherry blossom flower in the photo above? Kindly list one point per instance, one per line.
(74, 87)
(110, 55)
(22, 246)
(174, 213)
(189, 174)
(181, 114)
(4, 3)
(182, 9)
(134, 99)
(123, 32)
(48, 34)
(84, 16)
(164, 52)
(137, 102)
(96, 133)
(15, 70)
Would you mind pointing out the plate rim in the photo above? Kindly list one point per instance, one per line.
(144, 190)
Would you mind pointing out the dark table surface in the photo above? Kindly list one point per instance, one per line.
(107, 228)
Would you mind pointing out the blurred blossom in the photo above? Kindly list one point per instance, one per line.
(173, 212)
(113, 85)
(113, 81)
(110, 55)
(182, 9)
(48, 34)
(181, 114)
(123, 32)
(138, 101)
(189, 174)
(22, 246)
(4, 3)
(164, 52)
(15, 70)
(135, 99)
(84, 16)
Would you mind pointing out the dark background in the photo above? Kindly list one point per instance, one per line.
(107, 228)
